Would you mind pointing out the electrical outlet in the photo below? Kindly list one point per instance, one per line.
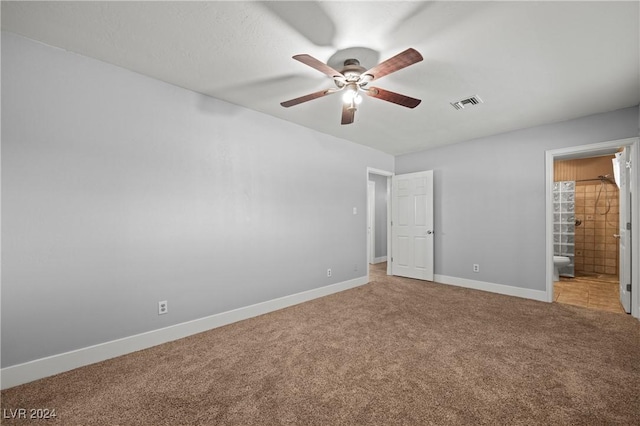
(476, 267)
(329, 272)
(163, 307)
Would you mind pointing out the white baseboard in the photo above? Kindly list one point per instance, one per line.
(508, 290)
(380, 259)
(44, 367)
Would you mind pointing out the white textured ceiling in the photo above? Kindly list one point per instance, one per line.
(530, 62)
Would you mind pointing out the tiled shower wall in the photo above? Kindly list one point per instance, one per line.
(596, 250)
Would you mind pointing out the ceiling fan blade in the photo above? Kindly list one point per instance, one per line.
(401, 60)
(306, 98)
(394, 97)
(320, 66)
(348, 114)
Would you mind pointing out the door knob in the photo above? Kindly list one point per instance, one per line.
(616, 235)
(429, 232)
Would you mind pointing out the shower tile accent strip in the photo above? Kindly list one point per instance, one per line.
(564, 223)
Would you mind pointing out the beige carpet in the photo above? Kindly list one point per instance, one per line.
(395, 351)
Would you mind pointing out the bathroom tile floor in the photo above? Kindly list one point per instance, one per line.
(599, 292)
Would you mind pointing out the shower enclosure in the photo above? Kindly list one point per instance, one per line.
(564, 222)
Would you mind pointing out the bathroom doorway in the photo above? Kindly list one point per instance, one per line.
(586, 203)
(595, 213)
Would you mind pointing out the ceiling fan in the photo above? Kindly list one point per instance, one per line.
(354, 79)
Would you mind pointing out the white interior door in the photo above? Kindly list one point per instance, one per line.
(371, 222)
(412, 225)
(625, 231)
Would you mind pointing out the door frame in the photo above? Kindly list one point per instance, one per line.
(388, 175)
(592, 150)
(624, 236)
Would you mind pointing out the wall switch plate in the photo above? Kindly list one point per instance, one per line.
(163, 307)
(355, 210)
(476, 267)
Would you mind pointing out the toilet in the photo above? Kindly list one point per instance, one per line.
(559, 262)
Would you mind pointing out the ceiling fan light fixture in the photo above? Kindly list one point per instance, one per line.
(353, 99)
(351, 94)
(353, 78)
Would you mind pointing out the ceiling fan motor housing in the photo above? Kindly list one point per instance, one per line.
(352, 71)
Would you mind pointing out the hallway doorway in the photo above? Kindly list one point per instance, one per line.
(378, 217)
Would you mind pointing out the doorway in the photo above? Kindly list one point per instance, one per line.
(378, 217)
(371, 220)
(624, 229)
(407, 203)
(586, 204)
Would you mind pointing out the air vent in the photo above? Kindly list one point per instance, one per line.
(462, 103)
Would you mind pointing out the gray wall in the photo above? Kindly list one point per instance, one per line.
(490, 196)
(120, 191)
(381, 214)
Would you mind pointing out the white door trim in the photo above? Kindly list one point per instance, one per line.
(388, 175)
(624, 238)
(581, 151)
